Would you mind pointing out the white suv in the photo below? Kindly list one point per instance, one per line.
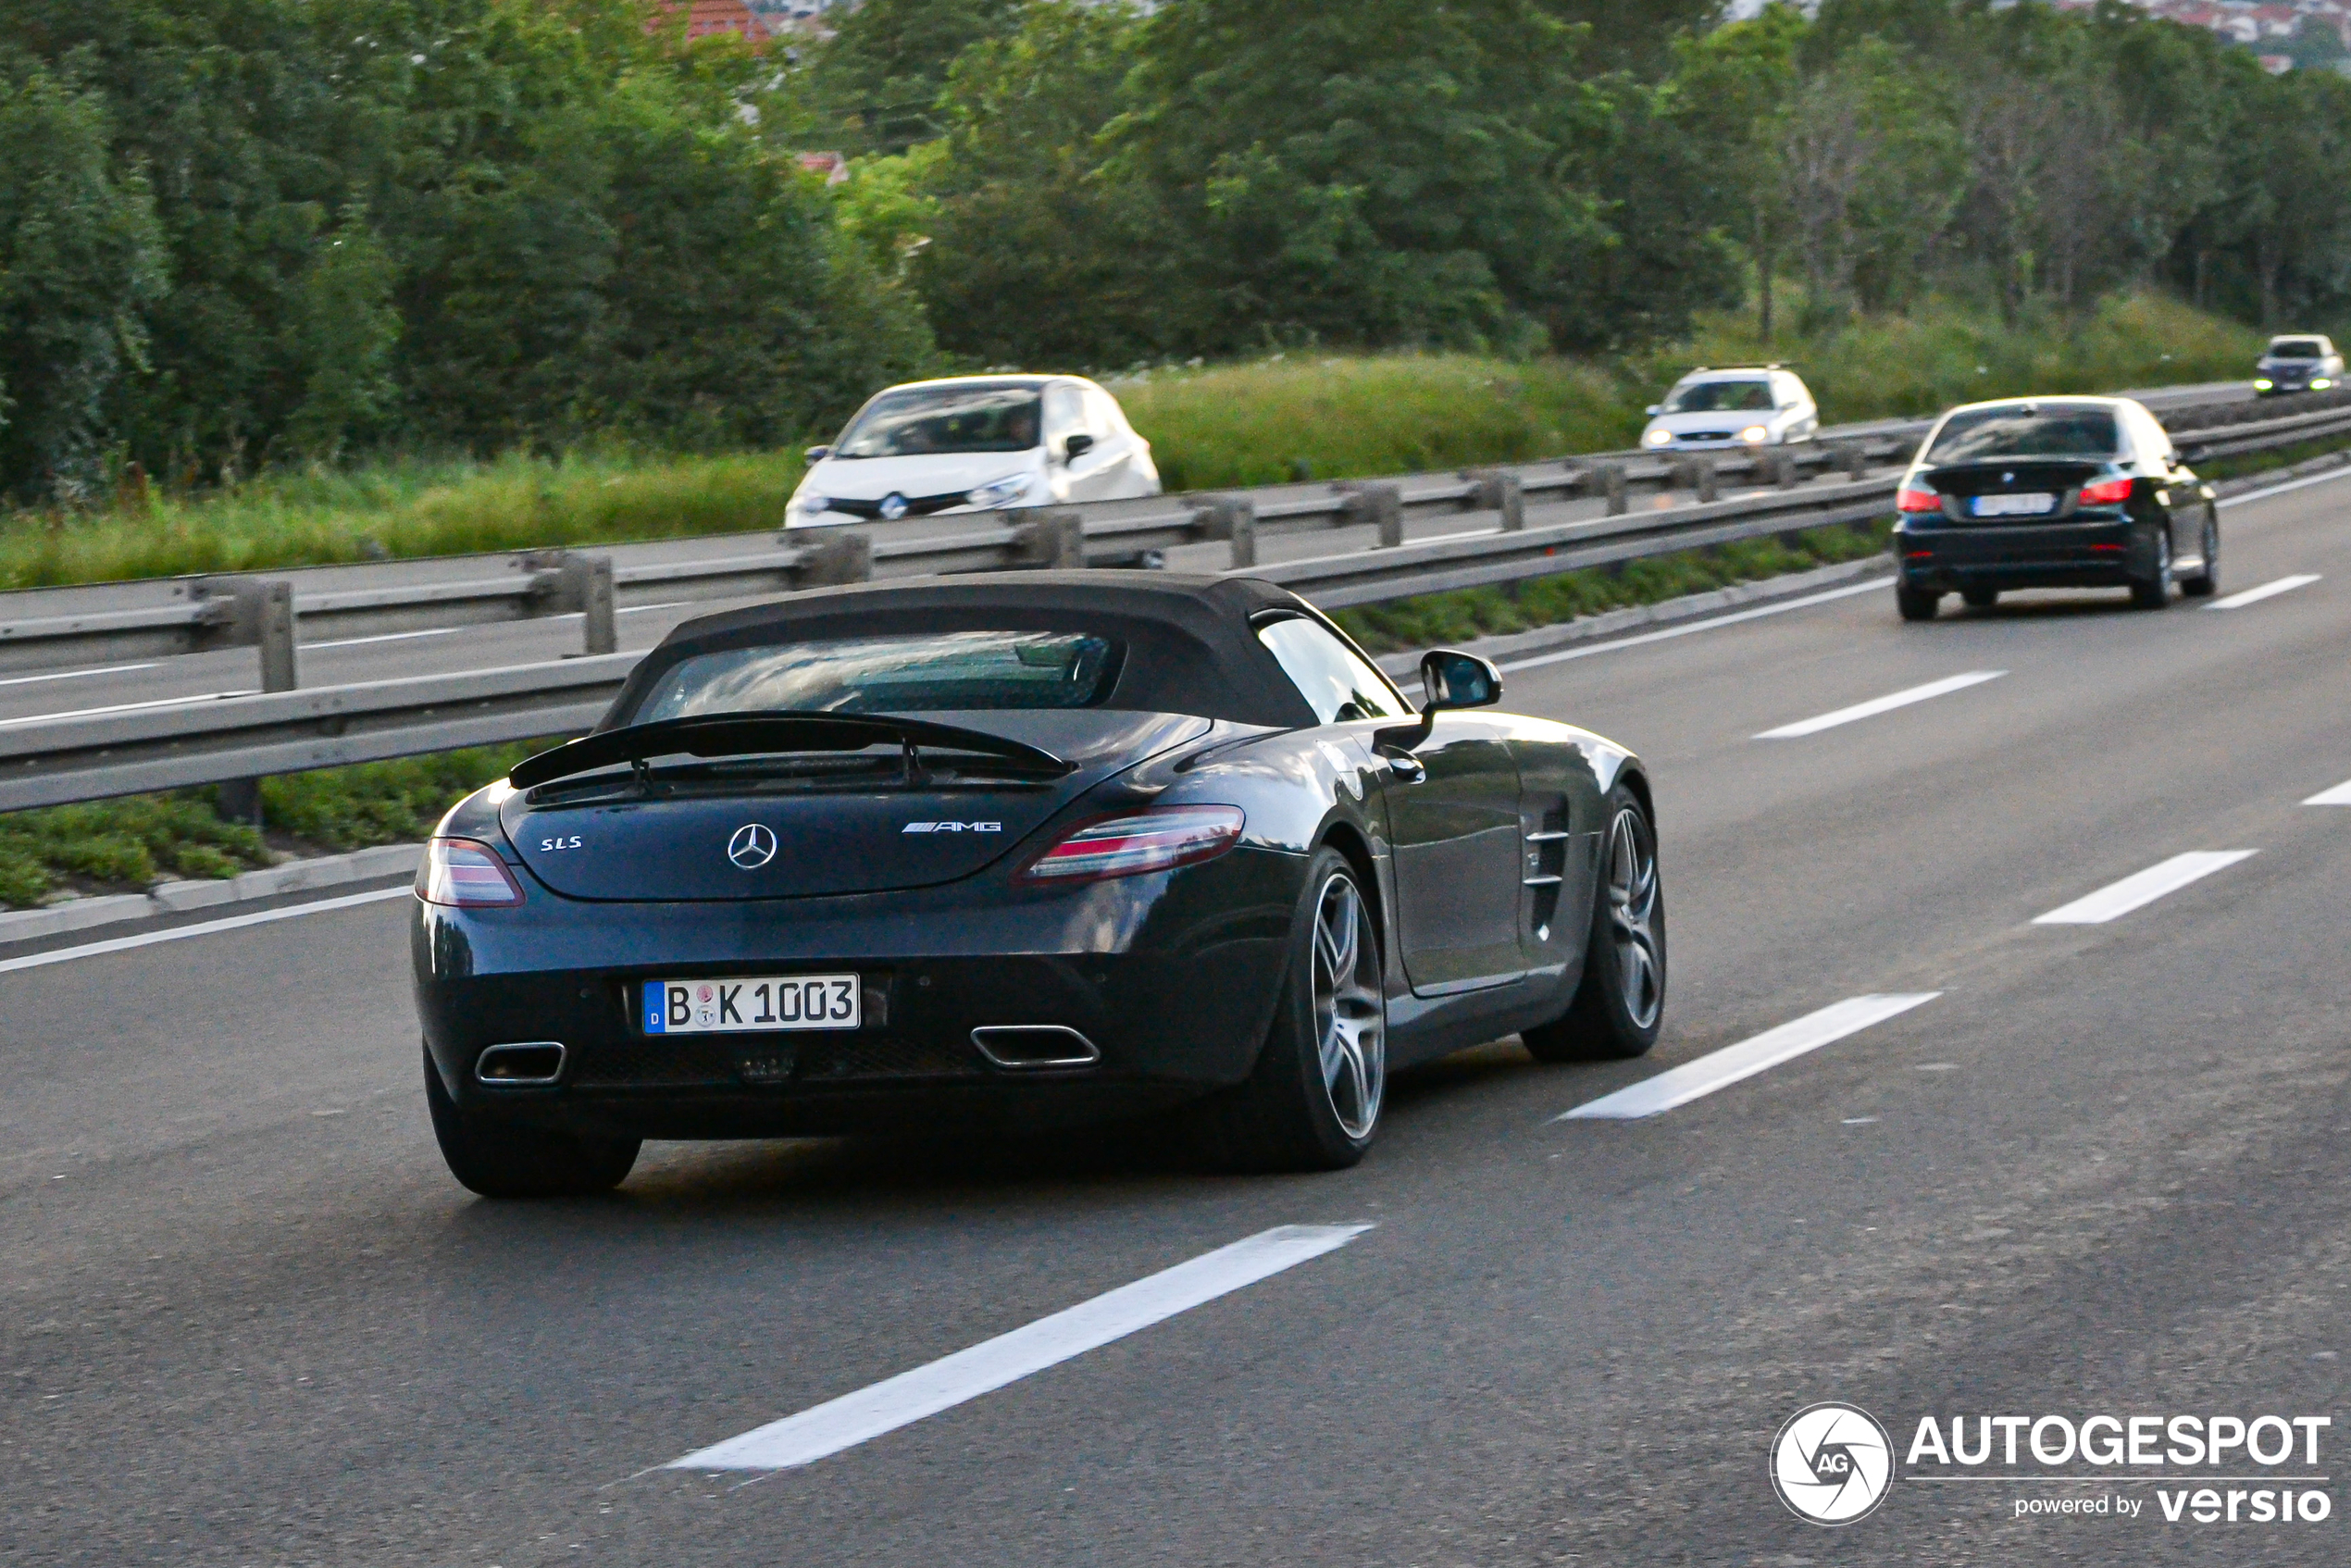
(1709, 410)
(976, 443)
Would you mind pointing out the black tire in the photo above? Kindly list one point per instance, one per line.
(1619, 1007)
(1306, 1106)
(1917, 604)
(1979, 598)
(2207, 582)
(498, 1159)
(2155, 593)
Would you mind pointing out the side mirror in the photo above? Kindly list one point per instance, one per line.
(1654, 409)
(1450, 680)
(1076, 446)
(1459, 680)
(818, 453)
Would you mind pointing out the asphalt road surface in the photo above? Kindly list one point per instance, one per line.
(249, 1319)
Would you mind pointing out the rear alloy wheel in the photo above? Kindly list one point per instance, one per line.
(1620, 1004)
(2156, 592)
(500, 1159)
(1314, 1101)
(1916, 603)
(2206, 582)
(1980, 598)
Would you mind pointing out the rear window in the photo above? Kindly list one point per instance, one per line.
(2045, 431)
(916, 673)
(2298, 348)
(1721, 397)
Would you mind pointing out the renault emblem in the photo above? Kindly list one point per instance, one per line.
(893, 507)
(753, 846)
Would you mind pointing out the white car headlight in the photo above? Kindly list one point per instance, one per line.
(1755, 435)
(1658, 437)
(813, 505)
(1003, 493)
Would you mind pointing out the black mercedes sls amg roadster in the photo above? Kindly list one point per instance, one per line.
(1018, 852)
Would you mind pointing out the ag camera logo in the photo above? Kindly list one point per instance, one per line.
(1832, 1464)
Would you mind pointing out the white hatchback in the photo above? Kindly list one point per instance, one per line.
(975, 443)
(1709, 410)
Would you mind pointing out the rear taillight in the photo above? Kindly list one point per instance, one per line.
(1911, 500)
(1158, 839)
(2106, 492)
(466, 874)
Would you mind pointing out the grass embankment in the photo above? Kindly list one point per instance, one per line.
(115, 846)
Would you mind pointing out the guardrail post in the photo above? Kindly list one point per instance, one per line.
(1231, 518)
(1855, 459)
(261, 614)
(591, 586)
(1381, 504)
(1779, 466)
(1500, 490)
(1055, 540)
(843, 557)
(1697, 474)
(1612, 478)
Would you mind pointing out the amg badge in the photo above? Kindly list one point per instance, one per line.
(953, 828)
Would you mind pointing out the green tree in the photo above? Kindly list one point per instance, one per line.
(880, 75)
(80, 259)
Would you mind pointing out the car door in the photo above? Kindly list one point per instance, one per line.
(1064, 418)
(1106, 470)
(2177, 490)
(1452, 814)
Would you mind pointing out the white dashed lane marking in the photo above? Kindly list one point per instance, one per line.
(2338, 796)
(1886, 704)
(1727, 1066)
(899, 1402)
(206, 928)
(2143, 887)
(2267, 590)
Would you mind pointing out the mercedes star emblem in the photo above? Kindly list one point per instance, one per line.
(893, 506)
(753, 846)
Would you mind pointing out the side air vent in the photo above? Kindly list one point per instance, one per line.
(1033, 1047)
(509, 1067)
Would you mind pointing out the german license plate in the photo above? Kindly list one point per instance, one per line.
(760, 1004)
(2014, 506)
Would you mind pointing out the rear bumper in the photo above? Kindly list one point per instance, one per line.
(2105, 553)
(1171, 978)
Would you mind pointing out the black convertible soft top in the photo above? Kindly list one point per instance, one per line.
(1190, 647)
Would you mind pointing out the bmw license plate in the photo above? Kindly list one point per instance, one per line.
(761, 1004)
(2014, 506)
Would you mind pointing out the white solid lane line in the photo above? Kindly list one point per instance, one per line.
(1877, 705)
(1875, 585)
(2145, 887)
(125, 707)
(385, 637)
(235, 922)
(2338, 796)
(1727, 1066)
(2302, 483)
(899, 1402)
(73, 673)
(2267, 590)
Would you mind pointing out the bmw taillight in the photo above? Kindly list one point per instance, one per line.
(2106, 492)
(1157, 839)
(466, 874)
(1913, 500)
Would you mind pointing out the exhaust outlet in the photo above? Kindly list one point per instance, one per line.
(1027, 1048)
(527, 1064)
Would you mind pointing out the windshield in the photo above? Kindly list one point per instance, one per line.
(2018, 431)
(924, 673)
(919, 421)
(1721, 397)
(2298, 348)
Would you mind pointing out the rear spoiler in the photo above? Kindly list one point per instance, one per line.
(740, 735)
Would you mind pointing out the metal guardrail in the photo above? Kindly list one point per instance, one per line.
(220, 740)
